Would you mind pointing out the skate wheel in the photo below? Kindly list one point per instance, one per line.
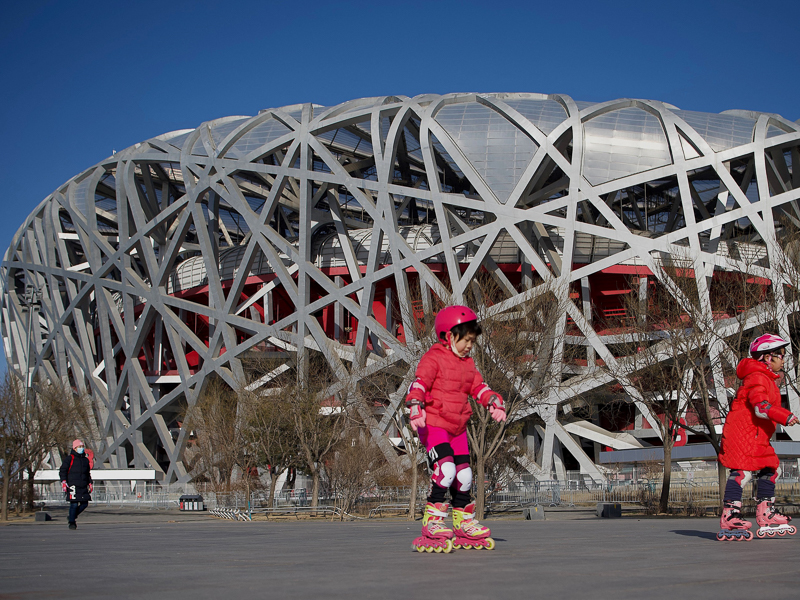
(490, 544)
(429, 549)
(457, 546)
(760, 534)
(748, 536)
(448, 547)
(792, 530)
(467, 546)
(771, 533)
(720, 537)
(438, 549)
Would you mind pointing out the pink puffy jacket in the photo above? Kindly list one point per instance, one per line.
(444, 383)
(752, 418)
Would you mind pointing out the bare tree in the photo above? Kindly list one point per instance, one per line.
(318, 419)
(35, 422)
(387, 387)
(352, 468)
(269, 434)
(681, 348)
(514, 354)
(11, 437)
(217, 443)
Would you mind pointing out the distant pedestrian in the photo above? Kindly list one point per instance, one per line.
(746, 447)
(76, 481)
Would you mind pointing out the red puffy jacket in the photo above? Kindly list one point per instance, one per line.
(752, 418)
(444, 383)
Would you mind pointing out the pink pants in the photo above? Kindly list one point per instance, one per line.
(449, 460)
(431, 436)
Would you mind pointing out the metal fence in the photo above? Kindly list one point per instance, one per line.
(685, 493)
(146, 495)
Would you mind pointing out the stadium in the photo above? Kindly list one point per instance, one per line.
(334, 232)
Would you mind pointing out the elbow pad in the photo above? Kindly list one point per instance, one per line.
(762, 409)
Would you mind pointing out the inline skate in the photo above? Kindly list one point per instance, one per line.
(436, 536)
(469, 533)
(770, 521)
(732, 527)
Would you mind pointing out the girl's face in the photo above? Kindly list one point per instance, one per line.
(776, 361)
(461, 347)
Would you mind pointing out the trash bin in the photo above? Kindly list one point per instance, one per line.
(192, 502)
(609, 510)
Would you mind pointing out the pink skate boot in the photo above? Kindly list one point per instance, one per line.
(731, 524)
(436, 536)
(770, 521)
(470, 533)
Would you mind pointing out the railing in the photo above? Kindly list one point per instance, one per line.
(697, 493)
(145, 496)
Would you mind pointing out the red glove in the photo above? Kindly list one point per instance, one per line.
(91, 487)
(64, 486)
(496, 407)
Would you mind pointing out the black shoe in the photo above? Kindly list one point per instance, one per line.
(73, 526)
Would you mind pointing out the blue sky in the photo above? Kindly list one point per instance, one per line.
(80, 79)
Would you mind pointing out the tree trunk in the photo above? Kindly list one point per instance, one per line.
(722, 473)
(273, 481)
(6, 475)
(663, 504)
(412, 501)
(30, 493)
(247, 493)
(480, 487)
(314, 489)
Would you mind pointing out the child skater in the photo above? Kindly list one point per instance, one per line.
(439, 403)
(745, 441)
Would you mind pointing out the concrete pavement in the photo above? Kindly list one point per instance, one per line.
(139, 554)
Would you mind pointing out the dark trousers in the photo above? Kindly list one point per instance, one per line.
(76, 508)
(737, 479)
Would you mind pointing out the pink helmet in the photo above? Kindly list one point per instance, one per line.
(767, 342)
(449, 317)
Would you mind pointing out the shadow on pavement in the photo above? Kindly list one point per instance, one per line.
(709, 535)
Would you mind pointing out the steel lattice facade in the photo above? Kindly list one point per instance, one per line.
(315, 227)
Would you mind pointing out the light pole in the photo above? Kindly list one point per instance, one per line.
(33, 299)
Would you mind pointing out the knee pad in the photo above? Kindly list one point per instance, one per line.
(443, 467)
(741, 478)
(770, 475)
(463, 473)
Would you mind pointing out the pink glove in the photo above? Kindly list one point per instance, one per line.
(417, 416)
(791, 420)
(496, 407)
(64, 486)
(91, 487)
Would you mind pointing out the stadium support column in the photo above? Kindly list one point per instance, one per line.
(586, 298)
(304, 247)
(338, 315)
(643, 296)
(389, 317)
(213, 235)
(525, 264)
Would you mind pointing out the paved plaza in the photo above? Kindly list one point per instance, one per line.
(141, 554)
